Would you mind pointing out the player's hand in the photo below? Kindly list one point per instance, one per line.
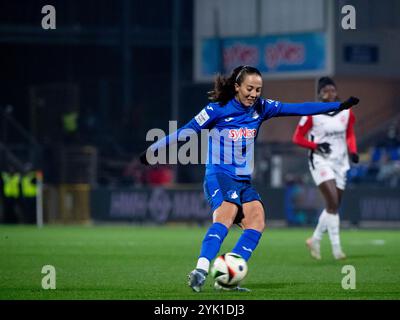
(352, 101)
(354, 157)
(143, 158)
(324, 148)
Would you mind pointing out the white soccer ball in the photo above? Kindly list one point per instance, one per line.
(229, 269)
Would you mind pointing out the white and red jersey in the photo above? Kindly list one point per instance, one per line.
(335, 128)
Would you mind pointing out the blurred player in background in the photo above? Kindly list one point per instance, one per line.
(331, 141)
(235, 115)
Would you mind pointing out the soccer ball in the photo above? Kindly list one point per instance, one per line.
(229, 270)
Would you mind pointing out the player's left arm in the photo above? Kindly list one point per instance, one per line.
(278, 109)
(351, 138)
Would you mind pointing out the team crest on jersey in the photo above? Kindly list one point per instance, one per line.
(232, 194)
(255, 115)
(236, 134)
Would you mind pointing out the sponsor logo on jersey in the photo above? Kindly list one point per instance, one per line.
(236, 134)
(255, 115)
(335, 134)
(202, 117)
(210, 108)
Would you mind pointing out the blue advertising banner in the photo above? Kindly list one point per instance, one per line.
(270, 54)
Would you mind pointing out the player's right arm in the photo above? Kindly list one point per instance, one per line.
(299, 136)
(205, 119)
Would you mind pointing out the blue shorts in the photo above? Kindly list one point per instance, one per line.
(221, 187)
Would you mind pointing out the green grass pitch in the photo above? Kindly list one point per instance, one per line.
(142, 262)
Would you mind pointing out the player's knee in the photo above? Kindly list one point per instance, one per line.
(333, 207)
(225, 214)
(255, 221)
(257, 225)
(261, 225)
(260, 221)
(225, 220)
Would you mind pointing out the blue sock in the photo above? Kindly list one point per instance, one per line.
(213, 240)
(247, 242)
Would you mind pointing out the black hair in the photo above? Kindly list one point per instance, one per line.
(325, 81)
(224, 87)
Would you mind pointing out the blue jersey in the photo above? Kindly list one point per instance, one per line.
(233, 129)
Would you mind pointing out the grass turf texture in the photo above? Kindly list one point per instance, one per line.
(132, 262)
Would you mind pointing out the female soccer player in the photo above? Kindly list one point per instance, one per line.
(235, 114)
(331, 139)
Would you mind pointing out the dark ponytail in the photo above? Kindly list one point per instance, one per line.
(224, 87)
